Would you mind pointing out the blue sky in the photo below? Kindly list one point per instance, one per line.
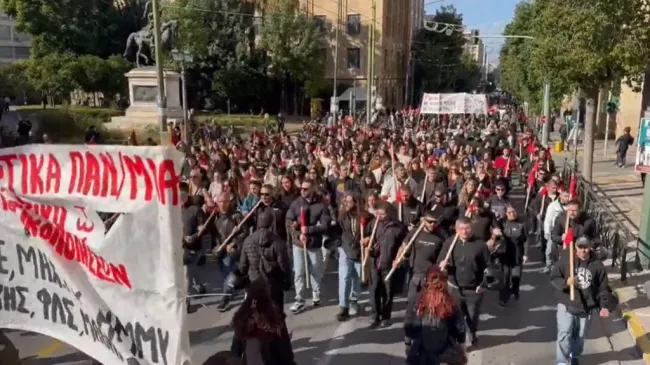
(488, 16)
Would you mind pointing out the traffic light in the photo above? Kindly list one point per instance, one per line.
(612, 107)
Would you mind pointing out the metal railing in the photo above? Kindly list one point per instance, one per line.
(613, 235)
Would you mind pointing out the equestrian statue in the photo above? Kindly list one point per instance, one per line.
(143, 39)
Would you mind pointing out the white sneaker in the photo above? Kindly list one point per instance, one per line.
(316, 299)
(297, 307)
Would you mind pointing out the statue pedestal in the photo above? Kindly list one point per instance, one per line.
(143, 97)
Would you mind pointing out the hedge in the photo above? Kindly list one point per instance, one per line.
(70, 124)
(244, 120)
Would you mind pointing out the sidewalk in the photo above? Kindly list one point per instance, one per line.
(622, 192)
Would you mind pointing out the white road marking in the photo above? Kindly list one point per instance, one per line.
(337, 340)
(475, 358)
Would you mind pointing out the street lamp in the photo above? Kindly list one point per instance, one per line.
(353, 95)
(183, 58)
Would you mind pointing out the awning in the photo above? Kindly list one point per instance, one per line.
(358, 92)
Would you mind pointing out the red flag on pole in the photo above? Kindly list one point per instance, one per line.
(303, 217)
(573, 187)
(398, 196)
(568, 238)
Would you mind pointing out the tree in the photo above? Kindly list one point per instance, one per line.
(221, 40)
(442, 64)
(53, 76)
(96, 27)
(585, 45)
(95, 75)
(292, 41)
(13, 79)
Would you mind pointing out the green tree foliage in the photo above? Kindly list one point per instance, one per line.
(13, 79)
(95, 75)
(517, 76)
(578, 45)
(53, 75)
(219, 34)
(96, 27)
(292, 41)
(442, 64)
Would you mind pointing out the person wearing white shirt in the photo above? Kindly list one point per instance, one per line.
(552, 212)
(216, 187)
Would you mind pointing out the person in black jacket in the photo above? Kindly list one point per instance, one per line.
(446, 212)
(193, 216)
(410, 208)
(436, 331)
(421, 256)
(350, 220)
(264, 255)
(593, 296)
(308, 237)
(515, 240)
(276, 208)
(388, 238)
(260, 331)
(580, 224)
(466, 266)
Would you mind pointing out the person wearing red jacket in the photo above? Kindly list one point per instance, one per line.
(505, 163)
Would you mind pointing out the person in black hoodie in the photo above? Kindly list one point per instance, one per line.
(388, 238)
(466, 267)
(436, 331)
(261, 335)
(350, 220)
(446, 212)
(265, 255)
(593, 296)
(193, 216)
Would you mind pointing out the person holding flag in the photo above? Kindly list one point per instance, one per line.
(571, 224)
(586, 276)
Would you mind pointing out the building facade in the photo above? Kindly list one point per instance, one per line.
(474, 46)
(14, 45)
(393, 32)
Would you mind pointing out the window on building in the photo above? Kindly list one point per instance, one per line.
(5, 32)
(354, 24)
(6, 52)
(20, 37)
(22, 53)
(354, 58)
(321, 22)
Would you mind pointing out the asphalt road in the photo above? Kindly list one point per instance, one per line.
(523, 333)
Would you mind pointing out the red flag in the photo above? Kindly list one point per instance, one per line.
(303, 217)
(572, 187)
(568, 238)
(548, 154)
(362, 222)
(384, 198)
(398, 196)
(543, 190)
(531, 178)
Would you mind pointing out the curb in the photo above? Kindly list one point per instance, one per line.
(635, 327)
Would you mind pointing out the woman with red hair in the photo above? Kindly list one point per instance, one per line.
(435, 330)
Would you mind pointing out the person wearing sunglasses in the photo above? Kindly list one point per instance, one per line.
(515, 239)
(593, 296)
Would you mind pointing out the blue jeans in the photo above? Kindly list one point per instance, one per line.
(226, 266)
(315, 258)
(571, 334)
(349, 280)
(549, 253)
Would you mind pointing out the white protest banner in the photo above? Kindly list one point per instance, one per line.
(430, 104)
(476, 104)
(116, 296)
(452, 104)
(458, 103)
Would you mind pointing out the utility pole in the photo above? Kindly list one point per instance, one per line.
(371, 66)
(547, 113)
(588, 157)
(335, 97)
(162, 96)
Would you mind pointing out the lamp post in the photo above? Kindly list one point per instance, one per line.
(353, 95)
(183, 58)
